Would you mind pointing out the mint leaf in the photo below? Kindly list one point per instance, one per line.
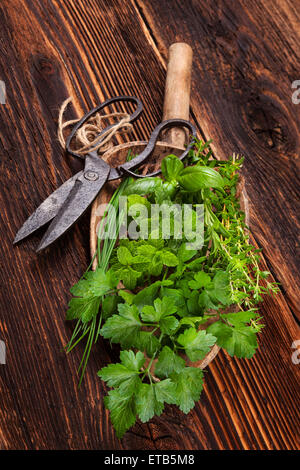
(124, 255)
(128, 276)
(147, 250)
(168, 363)
(196, 343)
(201, 279)
(168, 258)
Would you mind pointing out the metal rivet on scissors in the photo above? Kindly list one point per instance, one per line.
(71, 199)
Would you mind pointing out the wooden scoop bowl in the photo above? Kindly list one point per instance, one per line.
(176, 105)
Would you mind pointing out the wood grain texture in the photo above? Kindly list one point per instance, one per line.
(245, 58)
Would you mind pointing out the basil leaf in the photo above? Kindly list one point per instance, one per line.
(171, 167)
(194, 178)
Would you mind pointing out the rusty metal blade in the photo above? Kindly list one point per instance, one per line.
(47, 210)
(84, 191)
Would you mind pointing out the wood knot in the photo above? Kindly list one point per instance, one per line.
(271, 126)
(45, 66)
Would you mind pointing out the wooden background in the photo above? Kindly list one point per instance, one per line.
(246, 55)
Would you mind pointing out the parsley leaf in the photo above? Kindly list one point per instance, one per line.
(189, 383)
(151, 398)
(121, 401)
(161, 313)
(123, 328)
(148, 295)
(122, 409)
(88, 292)
(234, 335)
(196, 343)
(165, 391)
(168, 363)
(147, 341)
(147, 404)
(159, 321)
(124, 372)
(217, 292)
(84, 308)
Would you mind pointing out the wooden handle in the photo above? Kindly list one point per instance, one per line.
(177, 90)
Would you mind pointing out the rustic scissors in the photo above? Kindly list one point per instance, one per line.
(71, 199)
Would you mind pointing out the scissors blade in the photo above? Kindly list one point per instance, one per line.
(47, 210)
(84, 191)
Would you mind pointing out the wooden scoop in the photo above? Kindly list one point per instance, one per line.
(176, 105)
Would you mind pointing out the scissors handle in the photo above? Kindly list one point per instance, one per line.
(87, 116)
(128, 167)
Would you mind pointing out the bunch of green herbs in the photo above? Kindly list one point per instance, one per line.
(154, 296)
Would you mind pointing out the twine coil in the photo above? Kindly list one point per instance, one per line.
(87, 137)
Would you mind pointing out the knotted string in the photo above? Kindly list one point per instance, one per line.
(87, 137)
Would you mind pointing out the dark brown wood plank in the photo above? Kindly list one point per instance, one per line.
(52, 50)
(241, 98)
(92, 50)
(246, 58)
